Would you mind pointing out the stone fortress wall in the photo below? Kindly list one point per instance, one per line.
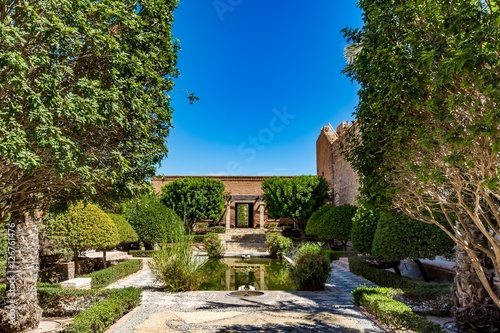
(332, 165)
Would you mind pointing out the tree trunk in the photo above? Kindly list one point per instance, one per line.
(22, 312)
(76, 259)
(474, 309)
(104, 258)
(395, 266)
(422, 270)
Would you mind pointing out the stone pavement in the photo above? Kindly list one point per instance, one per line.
(276, 311)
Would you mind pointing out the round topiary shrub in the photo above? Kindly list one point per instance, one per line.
(153, 222)
(311, 268)
(83, 226)
(332, 222)
(125, 230)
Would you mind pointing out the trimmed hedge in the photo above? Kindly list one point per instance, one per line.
(398, 316)
(206, 230)
(58, 302)
(359, 266)
(102, 315)
(105, 277)
(142, 253)
(199, 238)
(335, 255)
(414, 290)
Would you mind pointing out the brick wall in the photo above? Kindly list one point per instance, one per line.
(234, 186)
(332, 165)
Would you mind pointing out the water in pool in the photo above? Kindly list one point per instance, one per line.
(232, 273)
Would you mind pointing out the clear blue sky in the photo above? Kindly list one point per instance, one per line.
(268, 77)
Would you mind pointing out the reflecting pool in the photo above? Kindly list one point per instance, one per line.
(236, 273)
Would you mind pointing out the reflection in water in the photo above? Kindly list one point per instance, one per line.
(260, 273)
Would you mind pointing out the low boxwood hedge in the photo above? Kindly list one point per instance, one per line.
(335, 255)
(435, 296)
(219, 229)
(398, 316)
(102, 315)
(199, 238)
(105, 277)
(142, 253)
(360, 266)
(58, 302)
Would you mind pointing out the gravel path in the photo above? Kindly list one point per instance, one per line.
(276, 311)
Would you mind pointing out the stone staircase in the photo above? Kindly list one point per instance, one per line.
(244, 240)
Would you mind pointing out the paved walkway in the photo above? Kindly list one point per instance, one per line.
(276, 311)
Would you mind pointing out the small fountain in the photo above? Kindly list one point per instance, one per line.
(246, 290)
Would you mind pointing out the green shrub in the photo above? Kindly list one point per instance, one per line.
(202, 225)
(277, 244)
(214, 246)
(114, 273)
(398, 237)
(359, 266)
(81, 227)
(414, 290)
(142, 253)
(176, 266)
(58, 302)
(273, 226)
(396, 315)
(364, 225)
(332, 222)
(102, 315)
(125, 230)
(311, 268)
(153, 222)
(199, 238)
(335, 255)
(218, 229)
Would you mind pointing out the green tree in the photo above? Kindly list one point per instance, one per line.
(195, 199)
(84, 111)
(364, 225)
(296, 198)
(398, 237)
(332, 222)
(153, 222)
(82, 227)
(427, 139)
(125, 230)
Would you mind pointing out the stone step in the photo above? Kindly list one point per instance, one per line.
(77, 283)
(342, 262)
